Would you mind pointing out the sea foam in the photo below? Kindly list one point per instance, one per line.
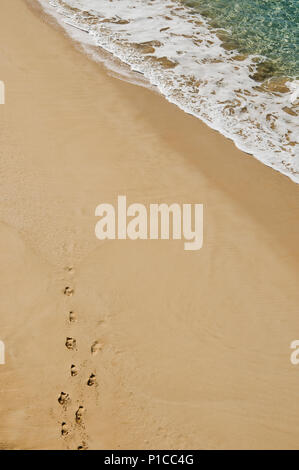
(178, 52)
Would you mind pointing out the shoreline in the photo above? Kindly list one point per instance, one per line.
(285, 165)
(189, 350)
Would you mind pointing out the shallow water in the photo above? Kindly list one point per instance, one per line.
(240, 79)
(265, 27)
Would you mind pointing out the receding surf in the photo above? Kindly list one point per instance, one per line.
(231, 63)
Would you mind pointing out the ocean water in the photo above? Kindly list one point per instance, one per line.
(232, 63)
(265, 27)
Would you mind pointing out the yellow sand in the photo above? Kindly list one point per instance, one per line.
(194, 347)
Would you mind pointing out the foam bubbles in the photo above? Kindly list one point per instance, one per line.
(177, 51)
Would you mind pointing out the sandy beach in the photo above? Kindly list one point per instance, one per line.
(190, 350)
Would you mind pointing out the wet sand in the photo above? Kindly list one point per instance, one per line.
(189, 349)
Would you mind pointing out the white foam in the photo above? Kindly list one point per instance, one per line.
(206, 81)
(294, 87)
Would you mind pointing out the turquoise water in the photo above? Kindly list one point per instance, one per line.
(266, 27)
(191, 56)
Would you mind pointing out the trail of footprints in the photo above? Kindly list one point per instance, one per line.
(64, 398)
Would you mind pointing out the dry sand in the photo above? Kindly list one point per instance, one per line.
(194, 346)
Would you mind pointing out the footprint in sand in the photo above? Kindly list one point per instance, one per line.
(63, 398)
(70, 343)
(79, 415)
(96, 347)
(83, 446)
(92, 380)
(68, 291)
(74, 370)
(72, 317)
(64, 429)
